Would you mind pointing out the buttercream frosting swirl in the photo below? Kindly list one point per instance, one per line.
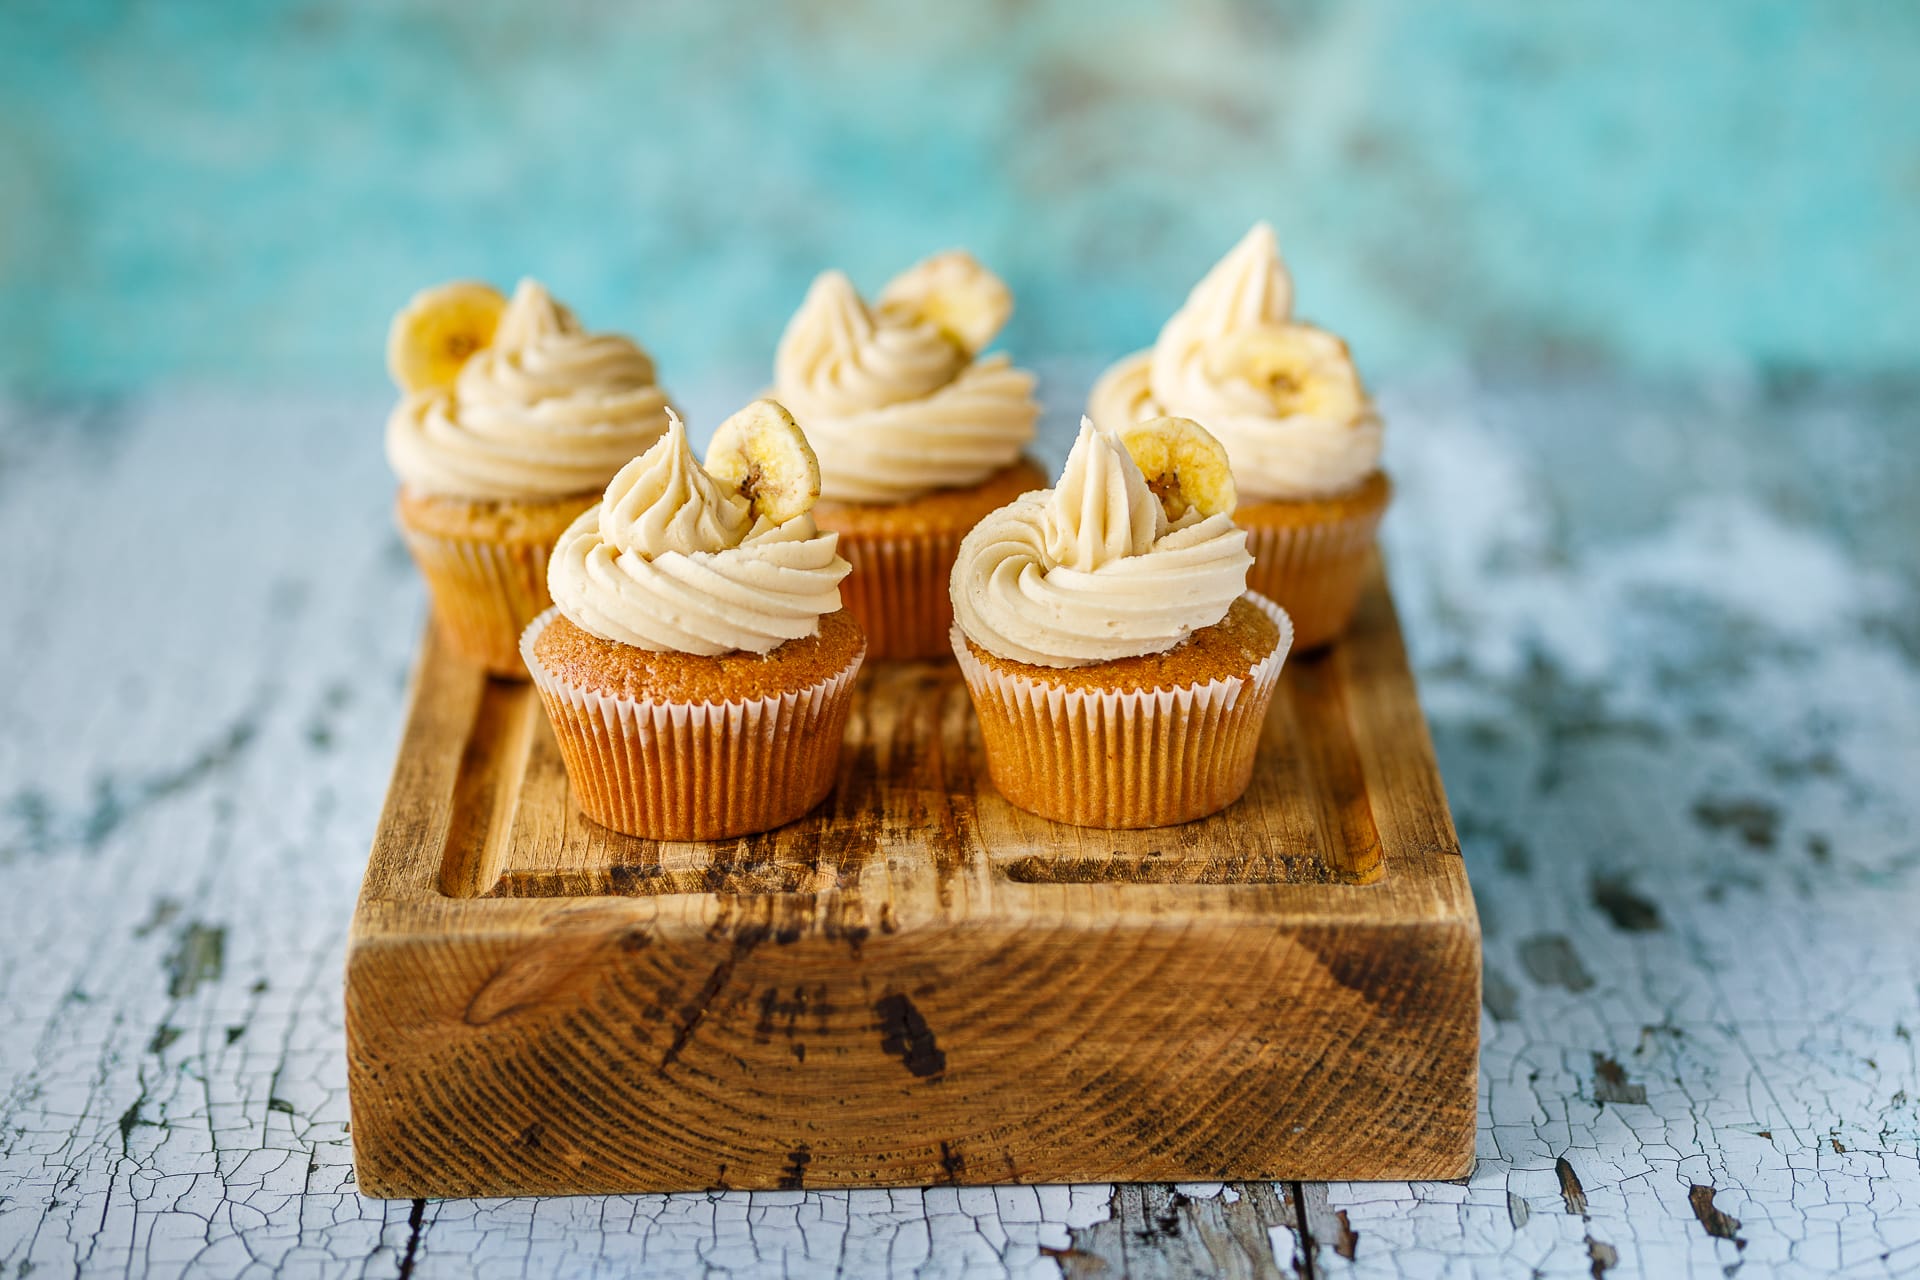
(893, 407)
(673, 560)
(546, 410)
(1296, 423)
(1091, 570)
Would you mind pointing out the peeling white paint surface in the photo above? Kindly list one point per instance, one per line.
(1670, 648)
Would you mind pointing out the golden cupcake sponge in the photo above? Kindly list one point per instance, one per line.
(955, 294)
(1184, 465)
(762, 452)
(439, 330)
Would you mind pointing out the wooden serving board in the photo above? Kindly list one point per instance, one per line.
(916, 983)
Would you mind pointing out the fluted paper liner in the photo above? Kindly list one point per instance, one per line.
(695, 770)
(484, 591)
(1313, 571)
(1113, 758)
(898, 591)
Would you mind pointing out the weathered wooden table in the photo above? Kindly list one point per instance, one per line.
(1670, 649)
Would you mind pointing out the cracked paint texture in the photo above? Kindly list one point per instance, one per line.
(1669, 641)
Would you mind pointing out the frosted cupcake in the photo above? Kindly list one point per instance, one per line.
(918, 434)
(1119, 666)
(1286, 401)
(697, 664)
(513, 418)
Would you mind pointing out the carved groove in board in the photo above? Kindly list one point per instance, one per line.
(914, 783)
(486, 793)
(1124, 868)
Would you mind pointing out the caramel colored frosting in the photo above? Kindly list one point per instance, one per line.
(1091, 570)
(1283, 397)
(544, 411)
(673, 560)
(894, 407)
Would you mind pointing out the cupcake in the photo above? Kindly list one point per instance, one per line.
(919, 436)
(512, 420)
(1120, 668)
(697, 665)
(1286, 401)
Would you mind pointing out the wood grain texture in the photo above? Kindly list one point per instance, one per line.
(917, 983)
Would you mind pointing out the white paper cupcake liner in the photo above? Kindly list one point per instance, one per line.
(1123, 758)
(1314, 571)
(898, 590)
(484, 593)
(695, 770)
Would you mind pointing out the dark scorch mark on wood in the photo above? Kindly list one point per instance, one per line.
(1610, 1083)
(1629, 910)
(952, 1162)
(1720, 1225)
(794, 1176)
(1363, 970)
(695, 1010)
(1551, 961)
(904, 1034)
(781, 1013)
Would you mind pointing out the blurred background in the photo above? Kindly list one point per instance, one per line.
(241, 194)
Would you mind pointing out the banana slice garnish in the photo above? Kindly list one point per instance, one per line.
(1186, 468)
(1301, 370)
(762, 452)
(955, 294)
(439, 330)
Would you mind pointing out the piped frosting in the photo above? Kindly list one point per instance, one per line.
(546, 410)
(894, 406)
(674, 560)
(1092, 570)
(1283, 397)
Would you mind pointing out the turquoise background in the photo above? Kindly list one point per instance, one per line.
(242, 193)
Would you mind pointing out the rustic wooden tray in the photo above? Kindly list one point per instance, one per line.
(917, 983)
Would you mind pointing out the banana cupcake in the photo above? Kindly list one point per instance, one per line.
(512, 420)
(918, 434)
(1120, 668)
(1288, 404)
(697, 665)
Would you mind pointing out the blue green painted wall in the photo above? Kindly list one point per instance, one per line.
(241, 193)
